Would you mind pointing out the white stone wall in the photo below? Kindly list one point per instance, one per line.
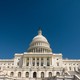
(18, 64)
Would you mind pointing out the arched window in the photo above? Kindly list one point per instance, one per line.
(42, 74)
(50, 74)
(27, 74)
(57, 73)
(34, 75)
(19, 74)
(12, 74)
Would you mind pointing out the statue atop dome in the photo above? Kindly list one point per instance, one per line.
(39, 31)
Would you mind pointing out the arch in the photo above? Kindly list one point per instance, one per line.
(34, 74)
(27, 74)
(58, 73)
(12, 74)
(50, 74)
(19, 74)
(42, 74)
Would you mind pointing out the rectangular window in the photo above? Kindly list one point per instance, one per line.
(48, 64)
(41, 63)
(27, 64)
(27, 58)
(48, 58)
(37, 58)
(33, 58)
(41, 58)
(57, 64)
(37, 63)
(33, 63)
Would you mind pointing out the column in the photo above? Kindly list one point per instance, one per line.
(29, 61)
(44, 62)
(50, 61)
(39, 61)
(35, 61)
(24, 62)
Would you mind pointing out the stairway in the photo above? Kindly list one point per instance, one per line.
(75, 73)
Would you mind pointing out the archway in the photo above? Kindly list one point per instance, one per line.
(42, 74)
(12, 74)
(50, 74)
(34, 75)
(27, 74)
(19, 74)
(57, 73)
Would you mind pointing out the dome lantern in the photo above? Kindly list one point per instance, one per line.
(40, 32)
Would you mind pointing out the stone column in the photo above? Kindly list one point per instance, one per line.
(39, 61)
(50, 61)
(35, 61)
(24, 62)
(44, 61)
(29, 61)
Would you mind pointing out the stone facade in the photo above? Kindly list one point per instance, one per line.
(38, 62)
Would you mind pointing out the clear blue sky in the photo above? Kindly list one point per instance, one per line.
(59, 19)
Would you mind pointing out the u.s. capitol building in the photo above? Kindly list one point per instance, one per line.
(39, 62)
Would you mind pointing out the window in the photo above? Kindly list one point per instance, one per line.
(7, 66)
(37, 63)
(57, 73)
(33, 63)
(34, 75)
(41, 63)
(12, 74)
(48, 58)
(19, 74)
(48, 64)
(27, 58)
(57, 64)
(12, 63)
(27, 74)
(27, 64)
(37, 58)
(41, 58)
(50, 74)
(18, 63)
(42, 74)
(33, 58)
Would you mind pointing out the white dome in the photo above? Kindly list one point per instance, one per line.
(39, 44)
(40, 38)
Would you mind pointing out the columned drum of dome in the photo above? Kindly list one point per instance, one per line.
(39, 44)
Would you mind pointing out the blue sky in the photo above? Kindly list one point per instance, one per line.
(59, 20)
